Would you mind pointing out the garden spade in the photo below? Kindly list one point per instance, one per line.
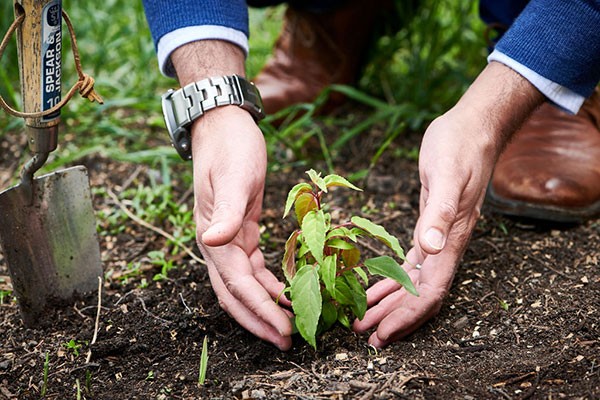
(47, 225)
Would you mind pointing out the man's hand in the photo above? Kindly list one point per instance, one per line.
(456, 161)
(229, 173)
(229, 157)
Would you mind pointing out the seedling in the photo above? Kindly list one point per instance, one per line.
(74, 346)
(322, 263)
(45, 375)
(203, 362)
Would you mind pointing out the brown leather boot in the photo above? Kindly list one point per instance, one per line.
(315, 51)
(551, 168)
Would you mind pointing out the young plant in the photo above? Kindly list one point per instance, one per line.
(203, 362)
(74, 346)
(45, 375)
(322, 263)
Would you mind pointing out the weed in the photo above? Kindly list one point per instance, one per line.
(5, 294)
(74, 346)
(203, 362)
(322, 263)
(158, 258)
(45, 375)
(78, 387)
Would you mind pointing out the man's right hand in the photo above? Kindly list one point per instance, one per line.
(229, 157)
(229, 173)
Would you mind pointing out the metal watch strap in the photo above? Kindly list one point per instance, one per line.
(183, 106)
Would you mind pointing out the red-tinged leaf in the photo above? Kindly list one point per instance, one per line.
(305, 202)
(293, 195)
(351, 257)
(289, 257)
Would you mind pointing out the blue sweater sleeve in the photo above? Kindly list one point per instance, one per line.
(560, 40)
(165, 16)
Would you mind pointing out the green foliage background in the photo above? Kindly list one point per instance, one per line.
(418, 67)
(418, 71)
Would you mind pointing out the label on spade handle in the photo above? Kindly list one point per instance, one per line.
(51, 57)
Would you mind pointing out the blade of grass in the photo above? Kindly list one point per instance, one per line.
(203, 362)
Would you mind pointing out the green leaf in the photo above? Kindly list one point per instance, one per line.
(313, 230)
(289, 257)
(305, 202)
(341, 231)
(336, 180)
(351, 257)
(328, 271)
(293, 194)
(203, 362)
(339, 244)
(303, 250)
(329, 314)
(307, 302)
(317, 180)
(388, 267)
(379, 233)
(343, 293)
(363, 275)
(343, 318)
(359, 296)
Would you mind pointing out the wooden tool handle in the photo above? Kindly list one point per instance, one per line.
(39, 44)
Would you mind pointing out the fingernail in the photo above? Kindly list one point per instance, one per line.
(435, 238)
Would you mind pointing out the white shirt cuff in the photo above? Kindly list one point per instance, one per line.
(177, 38)
(563, 97)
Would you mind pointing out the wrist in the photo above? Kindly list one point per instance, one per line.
(207, 58)
(499, 100)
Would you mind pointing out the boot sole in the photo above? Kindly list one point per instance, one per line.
(543, 212)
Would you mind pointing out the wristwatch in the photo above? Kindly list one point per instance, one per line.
(183, 106)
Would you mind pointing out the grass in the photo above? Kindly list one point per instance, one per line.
(414, 73)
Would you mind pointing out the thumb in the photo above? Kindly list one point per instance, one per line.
(439, 211)
(227, 218)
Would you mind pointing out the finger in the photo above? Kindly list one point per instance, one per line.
(238, 277)
(267, 279)
(245, 317)
(434, 281)
(415, 311)
(384, 287)
(391, 297)
(228, 211)
(439, 212)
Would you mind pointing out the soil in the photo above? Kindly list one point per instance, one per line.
(521, 320)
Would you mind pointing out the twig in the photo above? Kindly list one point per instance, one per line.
(153, 228)
(164, 321)
(514, 380)
(131, 178)
(96, 325)
(185, 196)
(124, 296)
(184, 304)
(370, 247)
(543, 264)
